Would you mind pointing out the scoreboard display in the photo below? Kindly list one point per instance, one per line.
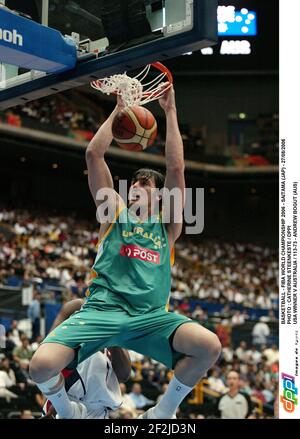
(248, 40)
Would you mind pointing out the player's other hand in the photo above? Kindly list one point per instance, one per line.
(120, 103)
(167, 101)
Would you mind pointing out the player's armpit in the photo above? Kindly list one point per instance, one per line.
(110, 205)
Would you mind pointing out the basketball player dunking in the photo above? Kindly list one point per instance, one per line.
(127, 299)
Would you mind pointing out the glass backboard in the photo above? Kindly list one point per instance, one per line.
(109, 37)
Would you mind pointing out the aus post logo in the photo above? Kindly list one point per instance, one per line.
(289, 399)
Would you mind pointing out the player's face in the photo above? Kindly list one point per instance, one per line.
(142, 192)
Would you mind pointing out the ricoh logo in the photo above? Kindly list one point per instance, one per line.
(11, 37)
(289, 399)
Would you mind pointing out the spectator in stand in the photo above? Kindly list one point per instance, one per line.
(13, 119)
(34, 314)
(234, 404)
(5, 384)
(140, 400)
(257, 392)
(260, 333)
(35, 344)
(215, 382)
(23, 353)
(238, 319)
(254, 355)
(245, 386)
(5, 367)
(9, 343)
(15, 333)
(185, 306)
(227, 354)
(268, 393)
(271, 354)
(223, 332)
(199, 314)
(241, 351)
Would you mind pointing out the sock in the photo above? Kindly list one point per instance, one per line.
(171, 400)
(54, 390)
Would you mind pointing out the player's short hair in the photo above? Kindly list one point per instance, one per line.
(148, 174)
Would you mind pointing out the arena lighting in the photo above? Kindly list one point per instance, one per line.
(242, 115)
(212, 190)
(235, 47)
(54, 165)
(207, 51)
(22, 159)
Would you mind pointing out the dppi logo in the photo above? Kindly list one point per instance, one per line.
(288, 399)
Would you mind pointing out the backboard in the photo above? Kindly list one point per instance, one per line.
(94, 38)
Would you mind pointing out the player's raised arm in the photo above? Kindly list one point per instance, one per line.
(66, 311)
(174, 163)
(99, 175)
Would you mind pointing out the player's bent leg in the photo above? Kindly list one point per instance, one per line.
(201, 348)
(49, 360)
(45, 368)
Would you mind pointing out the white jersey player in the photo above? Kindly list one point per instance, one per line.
(94, 384)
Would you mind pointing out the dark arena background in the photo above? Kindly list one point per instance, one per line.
(225, 277)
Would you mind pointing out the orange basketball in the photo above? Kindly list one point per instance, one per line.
(134, 128)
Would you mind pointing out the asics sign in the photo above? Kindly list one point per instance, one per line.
(11, 37)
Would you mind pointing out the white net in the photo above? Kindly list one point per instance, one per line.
(129, 88)
(133, 90)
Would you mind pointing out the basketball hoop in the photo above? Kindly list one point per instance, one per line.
(134, 90)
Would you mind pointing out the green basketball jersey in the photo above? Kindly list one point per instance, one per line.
(133, 265)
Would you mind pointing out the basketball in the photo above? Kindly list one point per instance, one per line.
(134, 128)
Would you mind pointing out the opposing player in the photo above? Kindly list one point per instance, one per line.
(127, 299)
(94, 383)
